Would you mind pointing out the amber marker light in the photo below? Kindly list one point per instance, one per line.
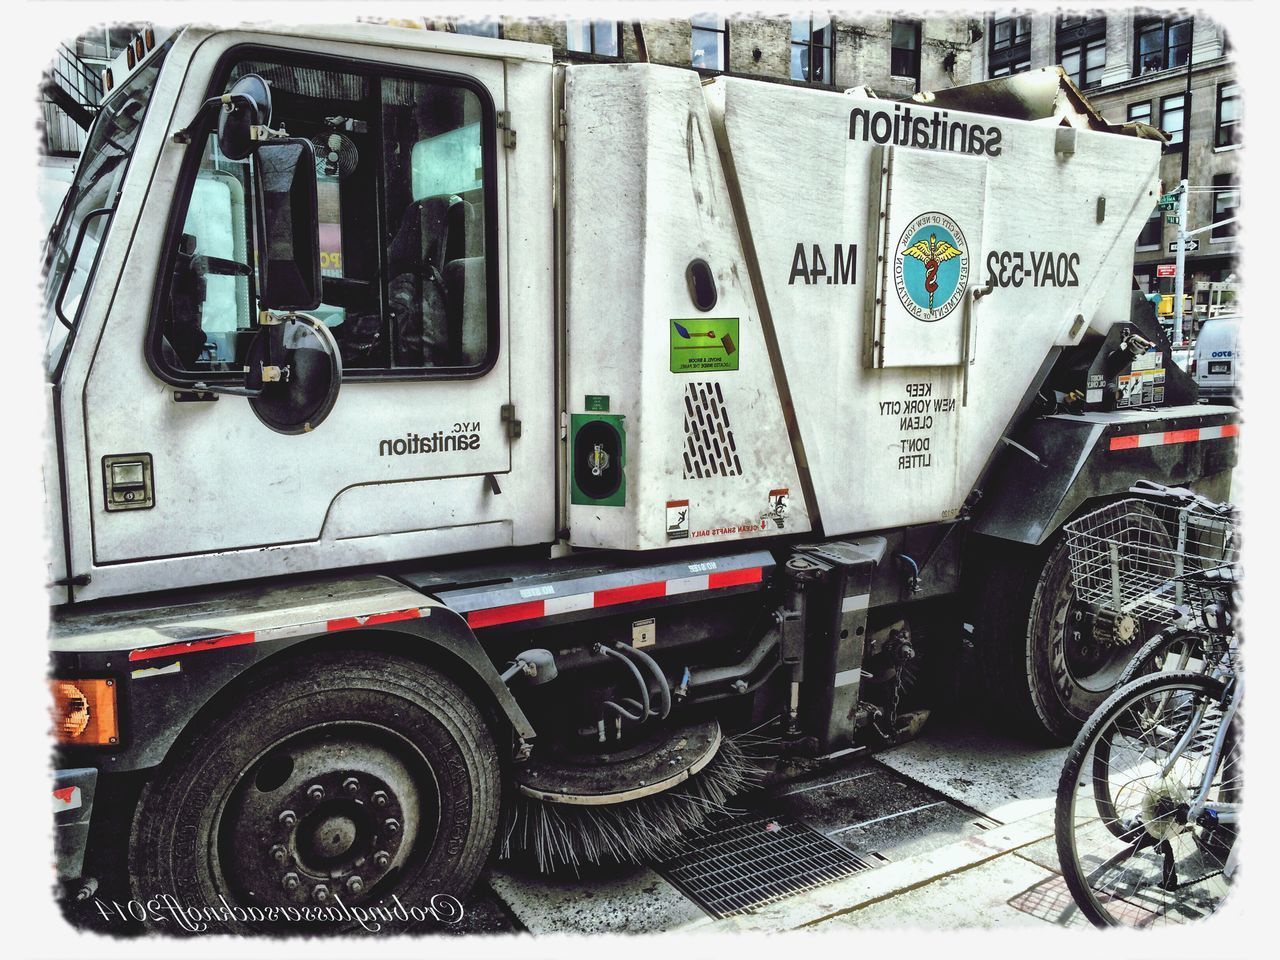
(84, 712)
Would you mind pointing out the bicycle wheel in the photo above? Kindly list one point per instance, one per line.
(1129, 851)
(1174, 648)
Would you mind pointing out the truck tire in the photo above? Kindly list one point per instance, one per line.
(351, 777)
(1023, 604)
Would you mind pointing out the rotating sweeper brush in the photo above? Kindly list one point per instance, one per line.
(624, 802)
(625, 808)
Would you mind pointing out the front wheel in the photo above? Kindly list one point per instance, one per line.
(1131, 850)
(354, 779)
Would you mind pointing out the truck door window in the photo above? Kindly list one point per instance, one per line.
(406, 198)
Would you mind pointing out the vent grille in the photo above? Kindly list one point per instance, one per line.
(747, 860)
(709, 446)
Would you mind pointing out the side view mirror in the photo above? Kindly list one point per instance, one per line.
(288, 225)
(294, 371)
(246, 106)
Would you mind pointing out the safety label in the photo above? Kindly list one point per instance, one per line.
(677, 519)
(700, 345)
(1140, 388)
(776, 514)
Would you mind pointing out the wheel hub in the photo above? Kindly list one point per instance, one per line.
(1164, 809)
(324, 815)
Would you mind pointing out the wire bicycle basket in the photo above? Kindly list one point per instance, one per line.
(1140, 557)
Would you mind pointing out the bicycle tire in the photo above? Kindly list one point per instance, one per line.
(1143, 904)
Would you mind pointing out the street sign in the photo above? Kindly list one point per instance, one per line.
(1173, 220)
(1189, 244)
(1169, 198)
(1166, 270)
(1168, 205)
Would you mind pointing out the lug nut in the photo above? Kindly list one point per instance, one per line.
(320, 892)
(393, 825)
(315, 792)
(355, 885)
(1078, 615)
(288, 818)
(290, 881)
(1075, 635)
(351, 785)
(279, 854)
(382, 858)
(380, 797)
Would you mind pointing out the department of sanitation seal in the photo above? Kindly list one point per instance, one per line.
(931, 269)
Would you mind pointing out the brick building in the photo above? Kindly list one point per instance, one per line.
(895, 57)
(1134, 68)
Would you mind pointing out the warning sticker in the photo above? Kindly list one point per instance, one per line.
(776, 515)
(1140, 388)
(677, 519)
(699, 345)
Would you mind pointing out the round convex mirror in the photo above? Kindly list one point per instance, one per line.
(310, 373)
(250, 106)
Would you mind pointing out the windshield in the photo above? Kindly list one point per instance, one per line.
(99, 177)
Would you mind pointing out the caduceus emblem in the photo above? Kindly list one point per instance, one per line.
(931, 252)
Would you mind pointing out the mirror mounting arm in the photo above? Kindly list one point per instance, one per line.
(206, 111)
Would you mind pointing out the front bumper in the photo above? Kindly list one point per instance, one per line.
(73, 791)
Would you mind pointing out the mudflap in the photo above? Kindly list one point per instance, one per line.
(1054, 465)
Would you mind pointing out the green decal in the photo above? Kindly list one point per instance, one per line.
(699, 345)
(597, 403)
(598, 452)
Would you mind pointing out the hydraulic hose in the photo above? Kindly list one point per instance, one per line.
(640, 682)
(655, 671)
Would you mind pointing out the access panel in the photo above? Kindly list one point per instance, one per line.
(926, 229)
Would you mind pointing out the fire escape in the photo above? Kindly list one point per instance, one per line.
(70, 93)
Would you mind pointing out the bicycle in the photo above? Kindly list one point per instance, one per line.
(1149, 796)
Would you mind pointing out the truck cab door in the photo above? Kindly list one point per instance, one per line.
(416, 458)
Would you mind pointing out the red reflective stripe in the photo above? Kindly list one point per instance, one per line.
(732, 578)
(1191, 435)
(508, 614)
(195, 646)
(65, 794)
(1181, 436)
(347, 623)
(640, 591)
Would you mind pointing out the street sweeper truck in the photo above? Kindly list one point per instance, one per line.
(453, 453)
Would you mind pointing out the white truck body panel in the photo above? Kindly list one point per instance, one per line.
(646, 194)
(890, 437)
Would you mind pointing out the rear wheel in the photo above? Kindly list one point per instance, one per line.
(1050, 659)
(351, 776)
(1130, 851)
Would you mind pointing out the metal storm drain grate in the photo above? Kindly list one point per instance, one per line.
(748, 860)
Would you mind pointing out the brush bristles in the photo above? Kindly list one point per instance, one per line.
(564, 835)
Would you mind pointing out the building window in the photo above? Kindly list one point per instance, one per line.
(904, 57)
(1227, 125)
(812, 49)
(1010, 45)
(1140, 112)
(1173, 118)
(479, 28)
(1152, 232)
(599, 37)
(1161, 45)
(1226, 198)
(710, 42)
(1082, 49)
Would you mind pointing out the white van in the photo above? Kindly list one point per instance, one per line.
(1216, 364)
